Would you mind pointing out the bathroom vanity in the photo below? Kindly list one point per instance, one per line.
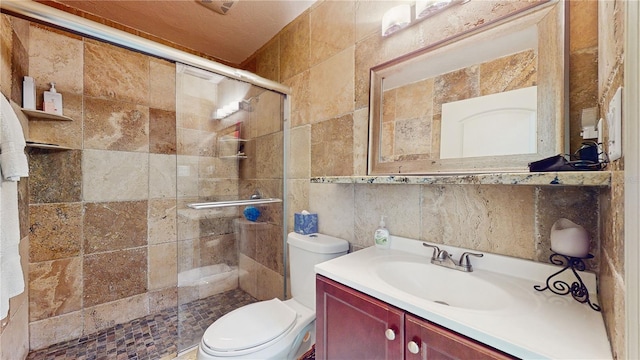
(395, 304)
(352, 322)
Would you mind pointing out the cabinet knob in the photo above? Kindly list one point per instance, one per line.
(390, 334)
(413, 347)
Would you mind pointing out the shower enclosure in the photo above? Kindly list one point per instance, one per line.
(230, 147)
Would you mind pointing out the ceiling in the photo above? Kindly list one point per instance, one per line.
(232, 38)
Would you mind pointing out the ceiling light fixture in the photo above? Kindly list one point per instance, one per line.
(426, 8)
(227, 110)
(395, 19)
(402, 16)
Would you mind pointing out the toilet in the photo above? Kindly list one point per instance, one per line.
(275, 329)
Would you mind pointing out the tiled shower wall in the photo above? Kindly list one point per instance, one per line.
(104, 216)
(327, 68)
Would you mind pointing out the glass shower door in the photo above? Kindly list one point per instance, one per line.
(230, 147)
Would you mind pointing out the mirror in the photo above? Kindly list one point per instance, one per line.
(491, 100)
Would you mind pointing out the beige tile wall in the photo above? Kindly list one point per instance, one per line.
(610, 39)
(330, 95)
(330, 88)
(292, 59)
(103, 216)
(330, 82)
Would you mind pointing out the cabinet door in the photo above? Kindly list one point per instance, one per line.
(434, 342)
(351, 325)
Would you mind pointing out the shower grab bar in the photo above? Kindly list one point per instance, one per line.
(219, 204)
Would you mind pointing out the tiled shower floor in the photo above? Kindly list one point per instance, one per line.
(152, 337)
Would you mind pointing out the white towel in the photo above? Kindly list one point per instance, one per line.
(13, 160)
(13, 165)
(11, 277)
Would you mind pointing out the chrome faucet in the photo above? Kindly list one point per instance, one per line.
(256, 195)
(443, 258)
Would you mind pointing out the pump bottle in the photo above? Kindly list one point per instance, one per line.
(52, 101)
(381, 236)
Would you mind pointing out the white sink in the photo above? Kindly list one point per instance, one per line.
(495, 304)
(444, 286)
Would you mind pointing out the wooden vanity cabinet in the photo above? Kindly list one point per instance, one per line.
(352, 325)
(434, 342)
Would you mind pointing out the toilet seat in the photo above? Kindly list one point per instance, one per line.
(249, 328)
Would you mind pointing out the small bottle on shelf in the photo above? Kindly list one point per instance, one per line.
(28, 93)
(52, 101)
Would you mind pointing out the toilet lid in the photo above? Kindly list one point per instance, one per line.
(250, 326)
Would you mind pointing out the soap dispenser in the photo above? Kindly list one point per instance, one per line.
(381, 236)
(52, 101)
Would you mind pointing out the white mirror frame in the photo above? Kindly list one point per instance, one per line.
(552, 98)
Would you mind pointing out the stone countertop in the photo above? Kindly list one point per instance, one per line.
(567, 178)
(532, 324)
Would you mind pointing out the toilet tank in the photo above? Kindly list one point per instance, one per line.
(305, 251)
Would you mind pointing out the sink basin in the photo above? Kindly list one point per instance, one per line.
(447, 287)
(496, 304)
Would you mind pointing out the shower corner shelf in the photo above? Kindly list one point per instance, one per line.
(42, 115)
(231, 145)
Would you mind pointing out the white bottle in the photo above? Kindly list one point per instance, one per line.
(28, 93)
(381, 236)
(52, 101)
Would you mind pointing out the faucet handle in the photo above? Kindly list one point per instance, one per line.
(443, 255)
(436, 250)
(464, 260)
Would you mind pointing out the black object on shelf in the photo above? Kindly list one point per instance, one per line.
(577, 289)
(587, 158)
